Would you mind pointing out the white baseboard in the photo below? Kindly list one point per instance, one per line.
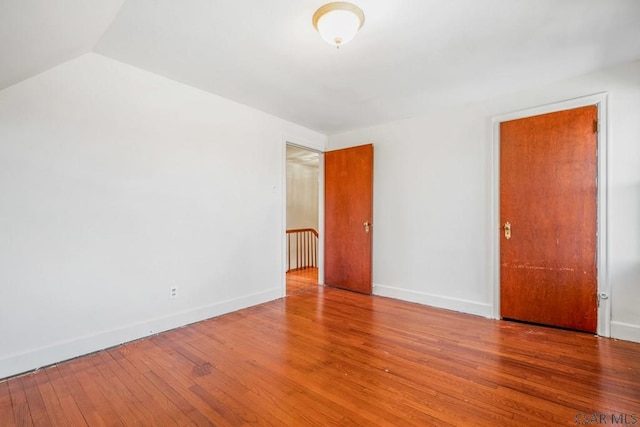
(27, 361)
(625, 331)
(464, 306)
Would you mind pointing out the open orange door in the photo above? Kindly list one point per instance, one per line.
(349, 218)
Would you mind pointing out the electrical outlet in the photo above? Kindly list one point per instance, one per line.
(173, 292)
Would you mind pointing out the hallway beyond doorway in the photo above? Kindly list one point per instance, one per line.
(301, 280)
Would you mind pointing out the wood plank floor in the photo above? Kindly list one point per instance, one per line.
(301, 280)
(331, 357)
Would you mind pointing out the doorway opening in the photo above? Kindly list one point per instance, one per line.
(302, 219)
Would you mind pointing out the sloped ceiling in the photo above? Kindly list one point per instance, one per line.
(410, 55)
(36, 35)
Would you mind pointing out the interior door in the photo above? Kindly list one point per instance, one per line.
(348, 218)
(548, 172)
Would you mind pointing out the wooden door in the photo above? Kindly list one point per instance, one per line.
(348, 218)
(548, 171)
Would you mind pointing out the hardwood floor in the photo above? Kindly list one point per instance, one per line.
(302, 280)
(330, 357)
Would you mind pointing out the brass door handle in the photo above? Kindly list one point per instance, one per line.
(507, 230)
(367, 226)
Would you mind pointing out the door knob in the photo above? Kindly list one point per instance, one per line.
(367, 226)
(507, 230)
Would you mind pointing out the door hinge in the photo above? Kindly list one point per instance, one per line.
(596, 126)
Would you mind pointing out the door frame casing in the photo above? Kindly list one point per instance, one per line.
(602, 262)
(306, 145)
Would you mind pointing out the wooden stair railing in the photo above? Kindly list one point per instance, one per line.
(302, 248)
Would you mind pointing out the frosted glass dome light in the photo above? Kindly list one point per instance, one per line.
(338, 22)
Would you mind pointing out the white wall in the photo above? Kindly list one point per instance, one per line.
(433, 201)
(302, 196)
(117, 184)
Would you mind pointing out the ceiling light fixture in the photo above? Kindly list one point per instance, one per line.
(338, 22)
